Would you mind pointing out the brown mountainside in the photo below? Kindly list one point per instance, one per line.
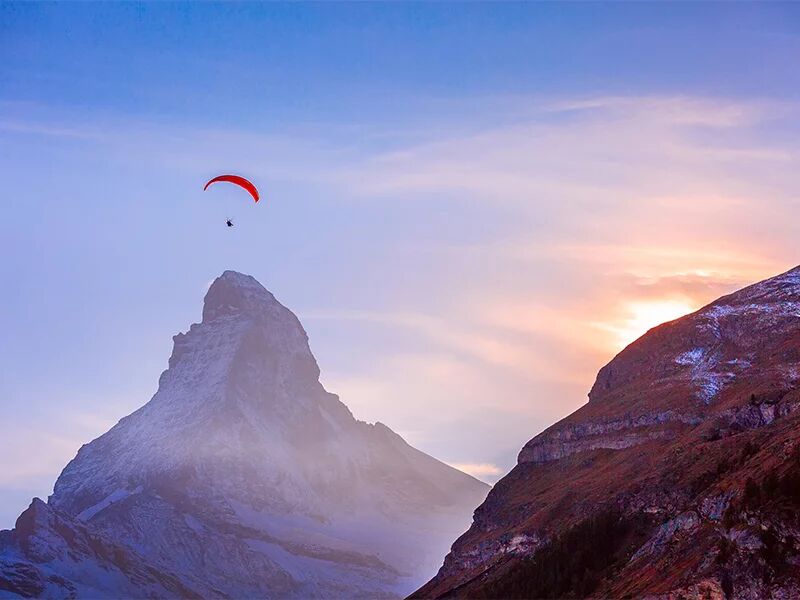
(679, 478)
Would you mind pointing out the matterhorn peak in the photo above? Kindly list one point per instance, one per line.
(234, 292)
(243, 477)
(244, 326)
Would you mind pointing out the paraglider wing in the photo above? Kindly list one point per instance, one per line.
(236, 180)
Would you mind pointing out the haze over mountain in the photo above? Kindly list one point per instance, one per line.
(242, 477)
(680, 478)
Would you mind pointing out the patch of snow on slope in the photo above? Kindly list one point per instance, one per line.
(711, 386)
(787, 308)
(692, 357)
(114, 496)
(705, 376)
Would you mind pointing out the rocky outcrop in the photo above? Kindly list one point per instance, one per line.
(612, 435)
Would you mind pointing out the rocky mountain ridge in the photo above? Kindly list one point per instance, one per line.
(679, 478)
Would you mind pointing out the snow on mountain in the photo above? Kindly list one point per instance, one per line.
(243, 477)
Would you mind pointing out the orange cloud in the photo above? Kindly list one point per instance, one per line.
(486, 471)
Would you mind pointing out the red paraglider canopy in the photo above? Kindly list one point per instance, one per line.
(235, 179)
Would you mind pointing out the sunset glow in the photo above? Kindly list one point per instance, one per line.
(643, 316)
(469, 223)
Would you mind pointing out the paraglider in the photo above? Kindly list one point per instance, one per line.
(236, 180)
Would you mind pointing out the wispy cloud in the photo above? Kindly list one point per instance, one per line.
(33, 128)
(537, 236)
(604, 217)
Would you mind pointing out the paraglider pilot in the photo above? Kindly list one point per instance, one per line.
(241, 182)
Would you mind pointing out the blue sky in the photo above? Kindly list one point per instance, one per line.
(471, 207)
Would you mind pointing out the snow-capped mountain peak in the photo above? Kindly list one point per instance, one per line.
(234, 292)
(243, 476)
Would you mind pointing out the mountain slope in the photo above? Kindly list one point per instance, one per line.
(243, 477)
(679, 477)
(49, 555)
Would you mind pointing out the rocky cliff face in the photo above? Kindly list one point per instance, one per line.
(679, 478)
(242, 477)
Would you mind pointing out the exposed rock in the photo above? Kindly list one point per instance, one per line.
(685, 522)
(709, 589)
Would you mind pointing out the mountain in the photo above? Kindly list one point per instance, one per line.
(49, 555)
(242, 477)
(680, 478)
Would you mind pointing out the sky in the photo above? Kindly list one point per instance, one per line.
(471, 207)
